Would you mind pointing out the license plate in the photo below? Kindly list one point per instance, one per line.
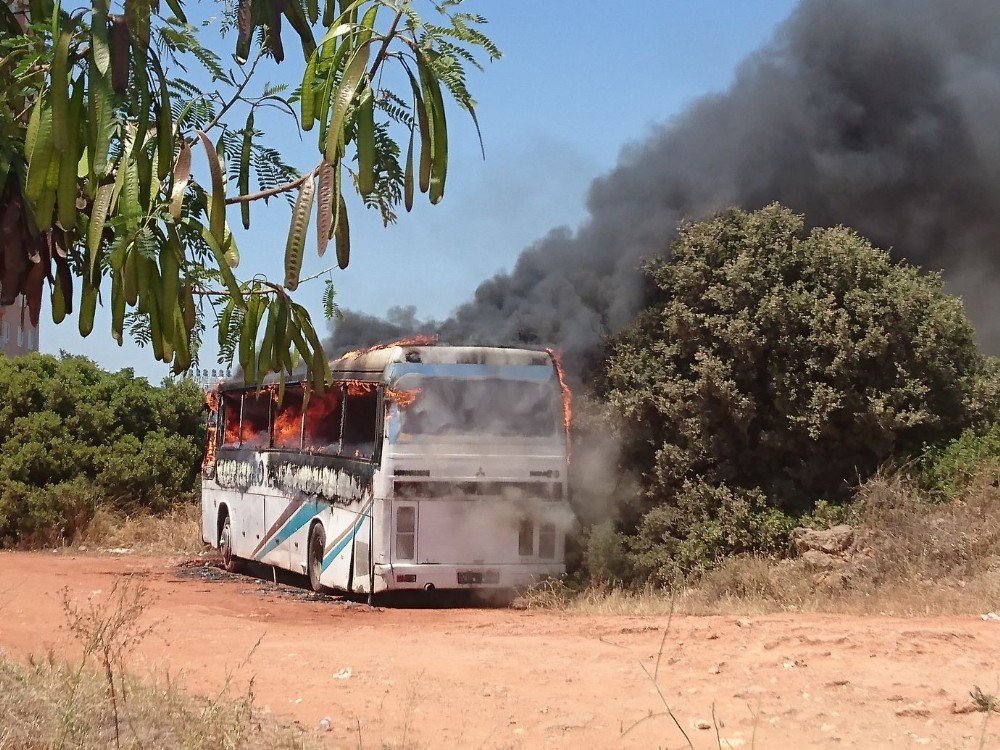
(478, 576)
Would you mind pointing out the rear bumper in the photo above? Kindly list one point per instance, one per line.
(416, 576)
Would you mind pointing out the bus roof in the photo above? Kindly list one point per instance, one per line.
(377, 359)
(371, 364)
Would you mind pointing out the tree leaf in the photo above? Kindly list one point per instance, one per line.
(295, 245)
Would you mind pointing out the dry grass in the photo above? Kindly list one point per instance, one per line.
(913, 557)
(95, 704)
(176, 532)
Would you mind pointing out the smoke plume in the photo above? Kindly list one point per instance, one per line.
(883, 115)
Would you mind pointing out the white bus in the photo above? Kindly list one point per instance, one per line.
(422, 467)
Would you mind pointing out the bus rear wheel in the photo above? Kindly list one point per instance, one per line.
(230, 562)
(317, 547)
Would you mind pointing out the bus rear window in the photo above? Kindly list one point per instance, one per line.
(360, 421)
(491, 407)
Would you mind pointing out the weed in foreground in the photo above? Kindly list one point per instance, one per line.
(95, 703)
(984, 702)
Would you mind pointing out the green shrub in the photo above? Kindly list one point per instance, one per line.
(73, 437)
(606, 555)
(703, 525)
(945, 471)
(772, 367)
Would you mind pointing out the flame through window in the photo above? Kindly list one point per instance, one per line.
(492, 407)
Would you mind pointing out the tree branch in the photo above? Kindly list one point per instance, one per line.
(385, 45)
(276, 190)
(236, 97)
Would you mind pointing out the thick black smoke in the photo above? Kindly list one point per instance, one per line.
(880, 114)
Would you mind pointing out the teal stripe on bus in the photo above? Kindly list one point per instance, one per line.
(346, 537)
(303, 516)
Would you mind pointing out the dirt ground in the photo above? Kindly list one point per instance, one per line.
(504, 678)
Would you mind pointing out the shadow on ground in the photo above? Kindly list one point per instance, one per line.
(270, 581)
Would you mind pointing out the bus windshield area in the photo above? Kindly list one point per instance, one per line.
(489, 407)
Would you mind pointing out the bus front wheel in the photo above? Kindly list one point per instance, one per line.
(317, 547)
(230, 562)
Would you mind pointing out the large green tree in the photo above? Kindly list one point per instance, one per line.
(775, 367)
(99, 118)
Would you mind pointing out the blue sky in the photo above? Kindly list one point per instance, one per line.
(577, 83)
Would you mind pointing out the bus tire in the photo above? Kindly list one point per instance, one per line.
(317, 548)
(230, 562)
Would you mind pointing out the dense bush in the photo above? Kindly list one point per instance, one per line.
(945, 471)
(73, 437)
(774, 368)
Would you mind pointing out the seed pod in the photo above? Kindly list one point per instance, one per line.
(120, 54)
(244, 26)
(342, 236)
(324, 206)
(366, 143)
(244, 178)
(295, 244)
(88, 308)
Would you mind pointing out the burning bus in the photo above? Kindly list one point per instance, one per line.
(421, 467)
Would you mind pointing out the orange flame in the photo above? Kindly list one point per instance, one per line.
(322, 423)
(567, 399)
(418, 340)
(402, 399)
(287, 427)
(232, 433)
(359, 387)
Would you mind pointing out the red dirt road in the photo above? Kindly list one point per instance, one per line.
(498, 678)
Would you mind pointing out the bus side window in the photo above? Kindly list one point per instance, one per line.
(286, 429)
(360, 421)
(231, 404)
(323, 418)
(254, 427)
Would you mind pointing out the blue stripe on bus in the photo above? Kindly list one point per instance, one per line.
(347, 537)
(303, 516)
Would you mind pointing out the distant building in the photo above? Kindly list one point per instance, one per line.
(208, 379)
(17, 335)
